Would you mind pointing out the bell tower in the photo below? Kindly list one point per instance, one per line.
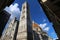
(25, 25)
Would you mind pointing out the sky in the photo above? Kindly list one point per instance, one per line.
(36, 12)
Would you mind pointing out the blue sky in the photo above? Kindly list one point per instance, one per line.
(37, 14)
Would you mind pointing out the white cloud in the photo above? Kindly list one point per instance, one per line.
(14, 10)
(14, 7)
(8, 10)
(46, 29)
(55, 38)
(43, 25)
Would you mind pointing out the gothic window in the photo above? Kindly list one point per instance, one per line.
(37, 29)
(23, 17)
(13, 29)
(23, 7)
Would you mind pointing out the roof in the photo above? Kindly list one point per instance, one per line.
(35, 25)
